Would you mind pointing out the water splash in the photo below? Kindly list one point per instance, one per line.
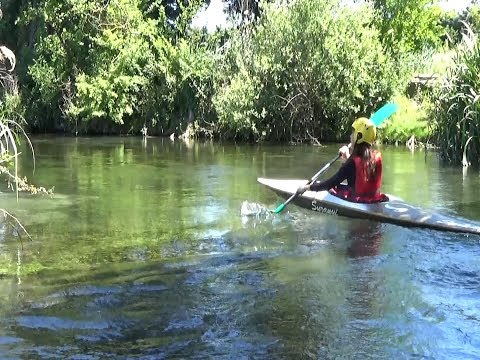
(254, 209)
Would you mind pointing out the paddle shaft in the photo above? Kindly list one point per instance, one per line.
(322, 170)
(377, 118)
(314, 177)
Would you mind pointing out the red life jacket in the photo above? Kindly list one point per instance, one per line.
(366, 190)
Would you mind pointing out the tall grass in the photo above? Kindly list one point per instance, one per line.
(457, 109)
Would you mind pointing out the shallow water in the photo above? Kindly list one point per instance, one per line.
(143, 253)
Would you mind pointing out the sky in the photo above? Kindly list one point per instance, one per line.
(213, 16)
(454, 4)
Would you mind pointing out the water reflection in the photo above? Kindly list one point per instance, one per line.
(366, 238)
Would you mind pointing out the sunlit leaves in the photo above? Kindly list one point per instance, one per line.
(308, 68)
(118, 61)
(408, 25)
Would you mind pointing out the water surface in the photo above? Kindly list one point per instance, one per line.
(142, 253)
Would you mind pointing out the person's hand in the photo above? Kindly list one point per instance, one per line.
(302, 189)
(344, 152)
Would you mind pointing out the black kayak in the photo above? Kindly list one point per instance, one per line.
(394, 211)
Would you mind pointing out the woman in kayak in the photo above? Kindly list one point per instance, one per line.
(362, 169)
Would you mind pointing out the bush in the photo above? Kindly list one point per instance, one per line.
(411, 119)
(304, 72)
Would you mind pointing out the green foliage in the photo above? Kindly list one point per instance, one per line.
(440, 62)
(308, 68)
(456, 108)
(65, 42)
(455, 24)
(181, 80)
(177, 13)
(431, 61)
(100, 67)
(112, 89)
(301, 72)
(236, 107)
(408, 25)
(411, 119)
(11, 108)
(472, 17)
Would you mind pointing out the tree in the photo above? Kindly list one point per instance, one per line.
(113, 67)
(246, 10)
(408, 25)
(455, 24)
(303, 73)
(177, 13)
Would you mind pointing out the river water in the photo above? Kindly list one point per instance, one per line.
(142, 253)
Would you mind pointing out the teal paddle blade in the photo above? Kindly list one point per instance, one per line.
(279, 208)
(384, 113)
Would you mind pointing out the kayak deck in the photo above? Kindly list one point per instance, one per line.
(394, 211)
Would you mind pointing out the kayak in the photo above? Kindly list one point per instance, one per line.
(394, 211)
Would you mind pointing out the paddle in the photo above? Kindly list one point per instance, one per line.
(377, 118)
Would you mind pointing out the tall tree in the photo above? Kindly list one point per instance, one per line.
(178, 14)
(112, 66)
(408, 25)
(244, 9)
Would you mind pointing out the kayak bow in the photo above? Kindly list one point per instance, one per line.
(394, 211)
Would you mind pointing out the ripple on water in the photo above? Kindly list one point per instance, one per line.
(447, 271)
(8, 340)
(191, 323)
(305, 298)
(450, 266)
(62, 296)
(57, 323)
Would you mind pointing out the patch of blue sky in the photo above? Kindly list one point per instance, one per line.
(212, 17)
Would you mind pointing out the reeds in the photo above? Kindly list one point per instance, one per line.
(457, 110)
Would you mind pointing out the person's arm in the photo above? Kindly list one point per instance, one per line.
(343, 173)
(346, 171)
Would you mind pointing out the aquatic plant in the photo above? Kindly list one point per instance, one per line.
(11, 131)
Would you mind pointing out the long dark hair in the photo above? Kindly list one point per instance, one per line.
(367, 155)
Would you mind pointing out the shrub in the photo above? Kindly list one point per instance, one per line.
(411, 119)
(304, 72)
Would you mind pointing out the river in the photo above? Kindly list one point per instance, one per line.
(142, 253)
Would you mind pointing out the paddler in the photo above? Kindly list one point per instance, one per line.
(362, 169)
